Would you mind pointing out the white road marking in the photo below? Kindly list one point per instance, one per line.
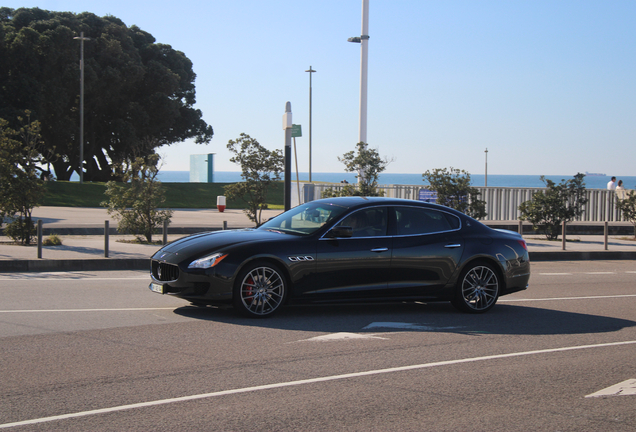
(556, 274)
(599, 273)
(404, 326)
(626, 388)
(72, 278)
(340, 336)
(506, 300)
(303, 382)
(85, 310)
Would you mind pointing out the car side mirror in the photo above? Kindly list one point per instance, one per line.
(340, 231)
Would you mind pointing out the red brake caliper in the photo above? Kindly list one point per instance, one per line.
(249, 291)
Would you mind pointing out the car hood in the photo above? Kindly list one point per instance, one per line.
(198, 244)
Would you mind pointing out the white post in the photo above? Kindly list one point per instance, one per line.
(311, 71)
(364, 63)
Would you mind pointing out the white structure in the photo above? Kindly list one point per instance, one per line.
(363, 40)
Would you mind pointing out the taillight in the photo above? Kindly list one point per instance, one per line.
(523, 244)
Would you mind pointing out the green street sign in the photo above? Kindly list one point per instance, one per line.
(296, 131)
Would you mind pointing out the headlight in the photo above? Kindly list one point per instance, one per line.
(208, 261)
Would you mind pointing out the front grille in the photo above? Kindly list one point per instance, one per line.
(165, 272)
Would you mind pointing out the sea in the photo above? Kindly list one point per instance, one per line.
(494, 180)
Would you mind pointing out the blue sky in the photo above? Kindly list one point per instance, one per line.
(549, 87)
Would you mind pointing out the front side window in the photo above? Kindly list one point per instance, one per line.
(304, 219)
(370, 222)
(414, 221)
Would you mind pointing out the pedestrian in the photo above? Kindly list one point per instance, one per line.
(620, 190)
(611, 185)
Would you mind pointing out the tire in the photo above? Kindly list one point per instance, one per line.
(260, 290)
(477, 289)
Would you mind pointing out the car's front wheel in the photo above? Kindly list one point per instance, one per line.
(260, 290)
(477, 289)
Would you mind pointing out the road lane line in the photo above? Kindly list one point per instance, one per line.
(70, 279)
(303, 382)
(86, 310)
(556, 274)
(567, 298)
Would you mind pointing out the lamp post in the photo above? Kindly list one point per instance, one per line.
(486, 171)
(311, 71)
(363, 40)
(81, 157)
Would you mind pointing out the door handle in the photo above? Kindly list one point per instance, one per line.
(379, 250)
(452, 246)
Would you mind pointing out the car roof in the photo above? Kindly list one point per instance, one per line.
(358, 201)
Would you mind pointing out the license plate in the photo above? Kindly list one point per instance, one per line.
(155, 287)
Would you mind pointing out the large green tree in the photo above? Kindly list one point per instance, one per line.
(139, 94)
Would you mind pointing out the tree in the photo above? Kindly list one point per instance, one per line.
(454, 190)
(368, 164)
(259, 168)
(136, 203)
(137, 91)
(563, 202)
(627, 206)
(20, 180)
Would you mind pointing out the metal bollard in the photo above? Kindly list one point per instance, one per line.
(606, 232)
(224, 225)
(39, 231)
(106, 233)
(165, 232)
(521, 228)
(563, 236)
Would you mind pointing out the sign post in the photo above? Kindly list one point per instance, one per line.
(287, 126)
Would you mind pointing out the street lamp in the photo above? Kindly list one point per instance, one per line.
(81, 161)
(486, 171)
(363, 40)
(311, 71)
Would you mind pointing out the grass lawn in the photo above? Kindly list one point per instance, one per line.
(178, 195)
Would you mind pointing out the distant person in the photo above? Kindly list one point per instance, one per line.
(620, 190)
(611, 185)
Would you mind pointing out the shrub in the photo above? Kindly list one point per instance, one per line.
(454, 190)
(52, 240)
(563, 202)
(627, 206)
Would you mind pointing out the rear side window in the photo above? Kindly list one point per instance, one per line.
(414, 221)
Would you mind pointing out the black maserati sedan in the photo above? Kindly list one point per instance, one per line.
(348, 249)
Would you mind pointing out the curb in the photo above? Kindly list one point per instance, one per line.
(582, 256)
(47, 265)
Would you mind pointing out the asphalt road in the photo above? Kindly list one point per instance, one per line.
(98, 351)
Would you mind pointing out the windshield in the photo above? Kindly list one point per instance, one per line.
(304, 219)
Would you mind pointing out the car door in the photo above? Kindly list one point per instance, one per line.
(356, 266)
(427, 248)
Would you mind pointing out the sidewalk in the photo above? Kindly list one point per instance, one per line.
(81, 251)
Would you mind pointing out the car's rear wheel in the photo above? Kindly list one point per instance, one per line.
(477, 289)
(260, 290)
